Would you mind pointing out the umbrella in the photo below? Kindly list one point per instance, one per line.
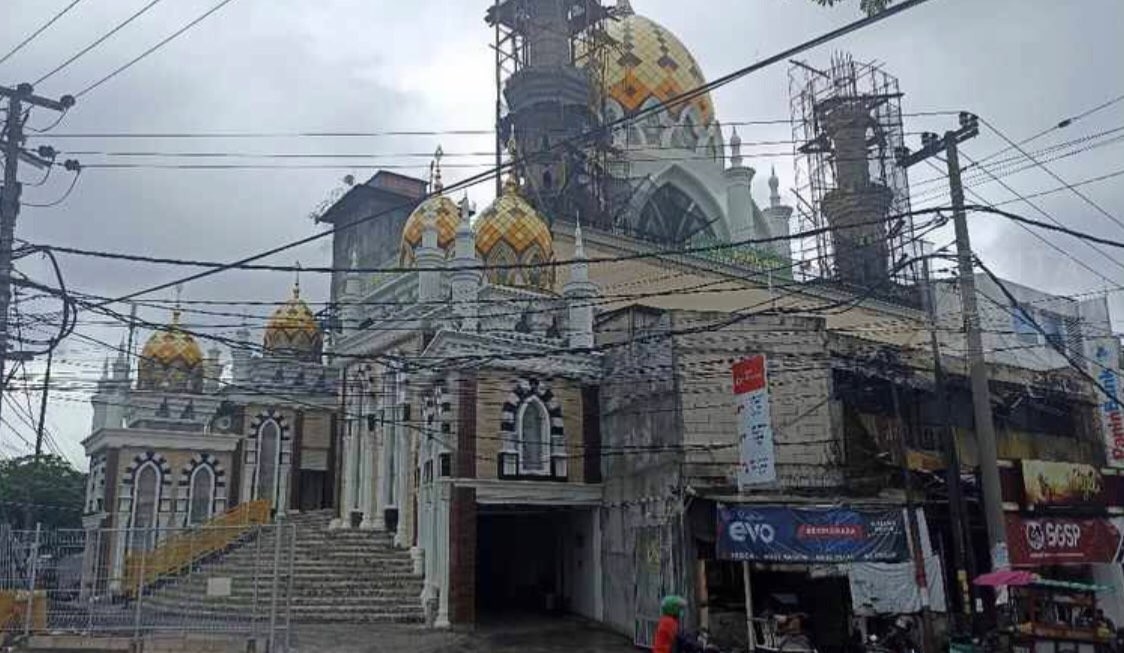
(1003, 577)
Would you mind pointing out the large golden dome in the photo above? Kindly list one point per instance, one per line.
(445, 215)
(171, 360)
(644, 64)
(511, 232)
(292, 330)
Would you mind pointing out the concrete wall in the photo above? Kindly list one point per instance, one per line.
(639, 415)
(579, 566)
(808, 446)
(1007, 341)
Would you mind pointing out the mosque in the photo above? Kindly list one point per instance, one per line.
(457, 402)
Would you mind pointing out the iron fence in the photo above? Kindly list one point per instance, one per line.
(136, 583)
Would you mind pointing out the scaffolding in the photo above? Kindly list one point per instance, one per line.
(827, 166)
(589, 48)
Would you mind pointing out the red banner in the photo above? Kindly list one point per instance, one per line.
(1061, 540)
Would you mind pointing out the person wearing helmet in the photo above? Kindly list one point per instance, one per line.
(667, 632)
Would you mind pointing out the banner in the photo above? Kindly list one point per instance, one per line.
(811, 535)
(1048, 483)
(757, 462)
(1061, 540)
(1111, 412)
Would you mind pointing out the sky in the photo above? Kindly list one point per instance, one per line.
(301, 66)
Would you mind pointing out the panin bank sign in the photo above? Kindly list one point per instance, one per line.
(1112, 414)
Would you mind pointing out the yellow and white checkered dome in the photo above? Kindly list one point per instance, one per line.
(511, 232)
(642, 65)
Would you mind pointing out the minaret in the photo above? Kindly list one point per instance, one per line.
(739, 198)
(547, 99)
(777, 217)
(100, 398)
(212, 371)
(466, 275)
(351, 313)
(428, 256)
(580, 294)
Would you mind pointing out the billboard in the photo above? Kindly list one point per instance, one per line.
(1110, 410)
(1062, 540)
(757, 461)
(810, 535)
(1048, 483)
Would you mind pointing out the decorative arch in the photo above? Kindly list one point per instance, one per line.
(502, 254)
(252, 456)
(532, 394)
(665, 224)
(187, 496)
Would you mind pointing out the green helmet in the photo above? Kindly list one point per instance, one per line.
(672, 606)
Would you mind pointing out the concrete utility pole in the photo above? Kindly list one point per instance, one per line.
(12, 144)
(981, 395)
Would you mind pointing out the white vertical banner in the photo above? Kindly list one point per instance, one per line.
(757, 461)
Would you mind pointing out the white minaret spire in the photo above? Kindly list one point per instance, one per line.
(736, 159)
(580, 295)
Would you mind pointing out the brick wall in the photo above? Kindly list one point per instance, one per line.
(462, 546)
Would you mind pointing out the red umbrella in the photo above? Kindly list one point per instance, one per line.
(1003, 577)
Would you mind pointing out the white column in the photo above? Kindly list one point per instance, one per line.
(366, 480)
(402, 480)
(347, 483)
(382, 443)
(441, 549)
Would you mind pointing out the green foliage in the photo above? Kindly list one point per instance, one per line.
(871, 7)
(48, 491)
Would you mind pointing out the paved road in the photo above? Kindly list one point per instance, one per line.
(532, 635)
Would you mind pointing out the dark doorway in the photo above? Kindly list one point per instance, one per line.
(312, 495)
(517, 563)
(531, 559)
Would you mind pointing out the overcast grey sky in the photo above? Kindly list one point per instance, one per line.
(366, 65)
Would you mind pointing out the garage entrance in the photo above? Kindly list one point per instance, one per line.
(531, 559)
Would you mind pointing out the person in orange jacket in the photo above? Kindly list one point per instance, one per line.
(667, 632)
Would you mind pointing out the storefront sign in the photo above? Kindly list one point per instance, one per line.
(1060, 540)
(757, 462)
(1111, 412)
(810, 535)
(1048, 483)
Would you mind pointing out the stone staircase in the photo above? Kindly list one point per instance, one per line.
(346, 576)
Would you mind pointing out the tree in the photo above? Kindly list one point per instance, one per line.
(871, 7)
(47, 491)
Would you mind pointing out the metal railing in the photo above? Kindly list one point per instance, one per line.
(179, 551)
(233, 579)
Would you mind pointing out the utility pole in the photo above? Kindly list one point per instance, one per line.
(981, 395)
(43, 404)
(963, 559)
(12, 144)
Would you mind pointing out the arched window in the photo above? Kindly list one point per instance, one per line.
(534, 437)
(202, 495)
(672, 217)
(146, 501)
(269, 454)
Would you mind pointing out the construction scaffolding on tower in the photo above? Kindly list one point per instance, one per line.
(847, 127)
(585, 186)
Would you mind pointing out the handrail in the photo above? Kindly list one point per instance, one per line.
(179, 552)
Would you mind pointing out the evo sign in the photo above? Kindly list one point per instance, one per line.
(810, 535)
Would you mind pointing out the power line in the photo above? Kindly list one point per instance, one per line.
(152, 49)
(140, 12)
(39, 31)
(1054, 175)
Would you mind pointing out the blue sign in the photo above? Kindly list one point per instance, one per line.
(811, 535)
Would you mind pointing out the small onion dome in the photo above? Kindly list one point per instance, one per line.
(444, 214)
(293, 331)
(511, 232)
(171, 360)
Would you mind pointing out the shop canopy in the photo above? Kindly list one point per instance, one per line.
(1020, 578)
